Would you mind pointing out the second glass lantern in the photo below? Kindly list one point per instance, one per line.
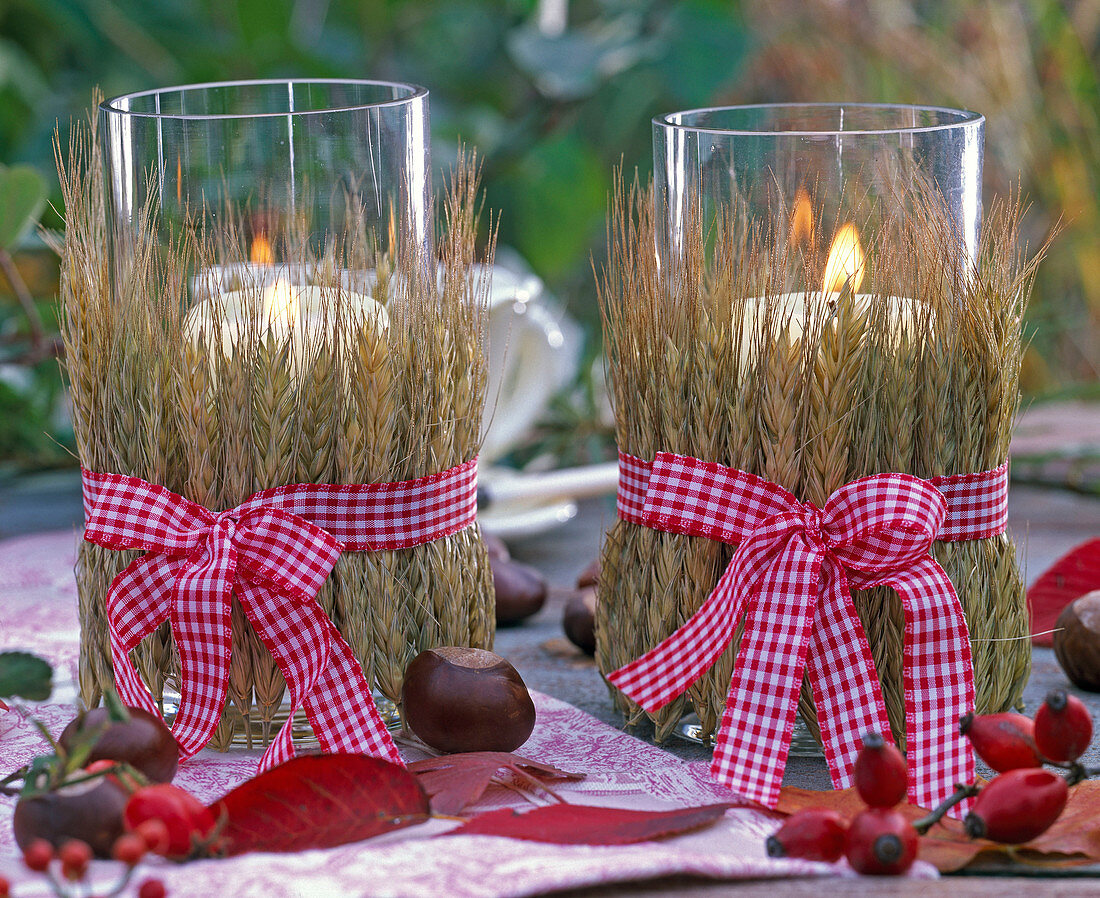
(805, 294)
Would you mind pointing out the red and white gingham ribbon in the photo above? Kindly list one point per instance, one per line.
(790, 579)
(273, 551)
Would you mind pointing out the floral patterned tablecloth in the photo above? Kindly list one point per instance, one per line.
(38, 613)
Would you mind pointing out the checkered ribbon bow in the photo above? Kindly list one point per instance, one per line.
(790, 581)
(274, 554)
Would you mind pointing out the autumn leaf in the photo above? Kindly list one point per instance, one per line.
(456, 781)
(579, 824)
(1073, 839)
(1072, 575)
(319, 801)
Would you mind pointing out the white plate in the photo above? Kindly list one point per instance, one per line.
(513, 520)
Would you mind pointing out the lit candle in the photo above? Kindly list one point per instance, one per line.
(845, 265)
(304, 315)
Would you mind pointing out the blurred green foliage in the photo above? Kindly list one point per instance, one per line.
(550, 114)
(554, 94)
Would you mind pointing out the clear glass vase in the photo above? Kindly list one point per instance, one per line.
(802, 170)
(839, 250)
(301, 158)
(271, 254)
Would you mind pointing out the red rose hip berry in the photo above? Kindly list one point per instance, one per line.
(152, 888)
(1063, 727)
(881, 842)
(815, 834)
(75, 855)
(130, 848)
(188, 821)
(1004, 741)
(37, 855)
(880, 774)
(1017, 806)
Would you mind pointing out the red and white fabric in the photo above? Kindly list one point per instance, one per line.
(274, 551)
(790, 581)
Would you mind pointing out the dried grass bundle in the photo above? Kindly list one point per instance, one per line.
(217, 420)
(714, 359)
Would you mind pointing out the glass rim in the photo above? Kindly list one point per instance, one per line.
(415, 92)
(965, 117)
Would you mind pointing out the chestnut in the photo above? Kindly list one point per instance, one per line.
(461, 699)
(590, 576)
(1077, 641)
(495, 547)
(91, 810)
(579, 620)
(143, 741)
(520, 590)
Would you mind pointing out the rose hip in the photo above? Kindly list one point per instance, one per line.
(152, 888)
(129, 849)
(37, 855)
(1063, 727)
(187, 820)
(154, 834)
(75, 855)
(880, 773)
(1004, 741)
(881, 842)
(815, 834)
(1017, 806)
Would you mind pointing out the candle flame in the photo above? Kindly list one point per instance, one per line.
(802, 220)
(261, 252)
(846, 261)
(281, 305)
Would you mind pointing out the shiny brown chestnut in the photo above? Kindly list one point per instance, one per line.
(462, 699)
(590, 576)
(495, 547)
(579, 620)
(143, 742)
(520, 590)
(1077, 641)
(91, 811)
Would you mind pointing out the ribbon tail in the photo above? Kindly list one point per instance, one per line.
(842, 673)
(342, 710)
(281, 622)
(138, 602)
(339, 706)
(201, 625)
(750, 753)
(939, 683)
(673, 665)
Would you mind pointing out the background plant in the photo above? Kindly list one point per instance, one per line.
(554, 94)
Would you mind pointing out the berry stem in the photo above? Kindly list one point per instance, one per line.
(961, 793)
(1076, 772)
(123, 881)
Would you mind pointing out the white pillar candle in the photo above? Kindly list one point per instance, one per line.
(304, 315)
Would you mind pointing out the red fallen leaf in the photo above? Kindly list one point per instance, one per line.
(580, 824)
(1072, 575)
(1073, 839)
(319, 801)
(455, 781)
(4, 706)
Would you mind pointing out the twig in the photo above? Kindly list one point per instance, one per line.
(961, 793)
